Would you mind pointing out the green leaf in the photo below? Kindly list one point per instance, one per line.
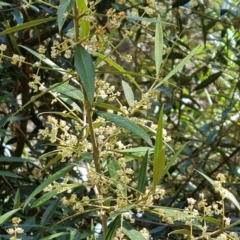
(14, 159)
(85, 25)
(151, 20)
(70, 102)
(159, 153)
(45, 60)
(27, 25)
(114, 225)
(49, 212)
(178, 67)
(48, 181)
(127, 124)
(9, 174)
(208, 81)
(119, 68)
(6, 216)
(122, 210)
(182, 231)
(17, 200)
(131, 232)
(86, 72)
(158, 167)
(107, 106)
(55, 236)
(113, 167)
(158, 46)
(64, 9)
(128, 93)
(173, 159)
(142, 174)
(4, 4)
(230, 196)
(44, 198)
(69, 91)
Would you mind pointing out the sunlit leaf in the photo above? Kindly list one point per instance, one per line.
(27, 25)
(85, 25)
(6, 216)
(158, 46)
(151, 20)
(127, 124)
(128, 93)
(159, 153)
(131, 232)
(178, 67)
(48, 181)
(119, 68)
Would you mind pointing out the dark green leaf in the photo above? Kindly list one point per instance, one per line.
(142, 173)
(64, 9)
(127, 124)
(114, 225)
(208, 81)
(9, 174)
(49, 212)
(86, 72)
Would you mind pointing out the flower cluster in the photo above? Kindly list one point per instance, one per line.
(68, 144)
(17, 60)
(16, 230)
(3, 48)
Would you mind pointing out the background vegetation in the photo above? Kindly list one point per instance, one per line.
(107, 111)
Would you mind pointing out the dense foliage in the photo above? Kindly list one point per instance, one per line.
(119, 119)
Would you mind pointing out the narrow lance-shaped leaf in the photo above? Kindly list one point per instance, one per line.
(178, 67)
(64, 9)
(208, 81)
(158, 46)
(128, 93)
(86, 72)
(127, 124)
(45, 60)
(142, 173)
(159, 153)
(27, 25)
(48, 181)
(119, 68)
(6, 216)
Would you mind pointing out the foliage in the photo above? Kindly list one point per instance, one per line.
(107, 110)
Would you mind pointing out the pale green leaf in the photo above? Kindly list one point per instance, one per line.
(178, 67)
(128, 93)
(6, 216)
(158, 47)
(27, 25)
